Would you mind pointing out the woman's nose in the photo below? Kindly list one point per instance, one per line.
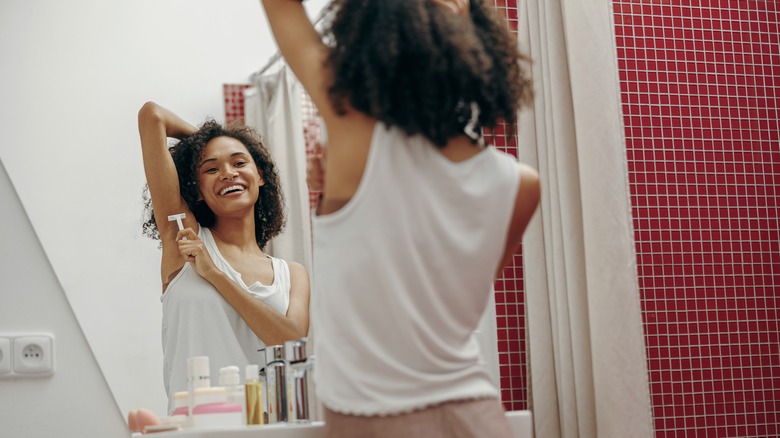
(229, 174)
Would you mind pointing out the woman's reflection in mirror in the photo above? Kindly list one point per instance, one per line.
(222, 295)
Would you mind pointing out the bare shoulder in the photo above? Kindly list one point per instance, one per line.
(528, 195)
(297, 272)
(526, 204)
(296, 268)
(529, 180)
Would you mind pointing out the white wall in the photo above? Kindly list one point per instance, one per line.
(75, 401)
(74, 74)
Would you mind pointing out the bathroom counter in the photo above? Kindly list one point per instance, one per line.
(521, 422)
(315, 429)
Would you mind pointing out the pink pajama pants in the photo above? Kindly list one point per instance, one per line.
(482, 418)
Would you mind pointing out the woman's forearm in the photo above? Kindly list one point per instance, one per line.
(174, 126)
(272, 327)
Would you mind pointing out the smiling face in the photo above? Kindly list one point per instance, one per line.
(228, 179)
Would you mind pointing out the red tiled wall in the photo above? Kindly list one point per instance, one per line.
(510, 307)
(510, 299)
(510, 303)
(699, 88)
(234, 102)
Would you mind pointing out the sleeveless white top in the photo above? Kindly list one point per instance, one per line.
(197, 321)
(402, 275)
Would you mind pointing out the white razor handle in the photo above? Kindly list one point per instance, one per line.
(178, 218)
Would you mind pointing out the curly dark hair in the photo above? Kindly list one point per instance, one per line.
(413, 64)
(188, 152)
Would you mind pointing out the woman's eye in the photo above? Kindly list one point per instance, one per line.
(211, 170)
(241, 163)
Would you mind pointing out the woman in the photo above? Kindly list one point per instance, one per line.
(417, 215)
(223, 297)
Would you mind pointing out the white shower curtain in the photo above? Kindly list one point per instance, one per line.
(587, 362)
(273, 107)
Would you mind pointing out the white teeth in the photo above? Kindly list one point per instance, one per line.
(231, 188)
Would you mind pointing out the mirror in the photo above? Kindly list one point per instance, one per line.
(75, 74)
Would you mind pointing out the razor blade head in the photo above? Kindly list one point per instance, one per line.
(177, 218)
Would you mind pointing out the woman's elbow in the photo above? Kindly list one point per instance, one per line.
(150, 112)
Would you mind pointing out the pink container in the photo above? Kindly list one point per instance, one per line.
(180, 404)
(216, 408)
(212, 410)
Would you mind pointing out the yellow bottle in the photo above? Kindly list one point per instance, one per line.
(254, 396)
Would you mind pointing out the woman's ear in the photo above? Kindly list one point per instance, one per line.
(260, 175)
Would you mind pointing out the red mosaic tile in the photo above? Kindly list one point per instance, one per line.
(699, 98)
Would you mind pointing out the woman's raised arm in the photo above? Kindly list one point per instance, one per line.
(155, 125)
(302, 48)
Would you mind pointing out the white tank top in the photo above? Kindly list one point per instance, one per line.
(197, 321)
(402, 275)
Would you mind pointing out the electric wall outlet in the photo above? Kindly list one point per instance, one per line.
(5, 356)
(33, 355)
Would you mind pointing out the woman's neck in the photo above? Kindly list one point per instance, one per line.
(460, 148)
(237, 232)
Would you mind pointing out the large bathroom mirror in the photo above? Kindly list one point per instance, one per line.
(75, 73)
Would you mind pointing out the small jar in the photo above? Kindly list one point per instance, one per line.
(213, 411)
(180, 403)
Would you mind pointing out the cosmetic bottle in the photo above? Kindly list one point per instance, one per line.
(298, 370)
(198, 376)
(213, 411)
(275, 377)
(254, 395)
(234, 390)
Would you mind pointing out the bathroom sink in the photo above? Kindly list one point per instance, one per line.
(522, 423)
